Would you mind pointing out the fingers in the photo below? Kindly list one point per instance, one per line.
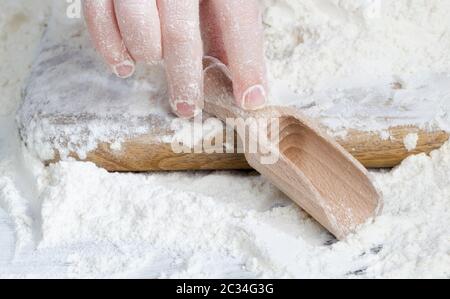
(102, 25)
(181, 38)
(242, 33)
(211, 32)
(235, 37)
(139, 25)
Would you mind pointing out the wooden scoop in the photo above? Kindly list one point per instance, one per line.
(312, 169)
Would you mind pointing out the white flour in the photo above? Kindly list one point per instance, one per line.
(75, 220)
(410, 141)
(365, 64)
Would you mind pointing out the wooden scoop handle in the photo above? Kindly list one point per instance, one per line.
(218, 93)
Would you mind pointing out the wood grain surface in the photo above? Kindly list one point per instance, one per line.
(143, 153)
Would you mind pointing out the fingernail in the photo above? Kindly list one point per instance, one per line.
(186, 110)
(254, 98)
(124, 70)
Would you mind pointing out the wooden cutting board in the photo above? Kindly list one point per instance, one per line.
(72, 107)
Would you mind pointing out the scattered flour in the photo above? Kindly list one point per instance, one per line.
(116, 146)
(73, 219)
(378, 41)
(410, 141)
(98, 224)
(365, 64)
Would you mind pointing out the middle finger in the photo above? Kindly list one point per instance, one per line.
(140, 28)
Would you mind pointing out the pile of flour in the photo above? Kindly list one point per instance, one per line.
(322, 44)
(73, 219)
(365, 65)
(90, 223)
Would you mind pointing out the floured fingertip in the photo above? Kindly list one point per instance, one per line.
(125, 69)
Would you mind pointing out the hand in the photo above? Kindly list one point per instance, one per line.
(181, 32)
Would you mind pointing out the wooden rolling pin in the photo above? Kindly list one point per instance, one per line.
(143, 153)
